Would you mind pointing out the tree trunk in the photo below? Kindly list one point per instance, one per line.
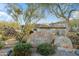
(68, 25)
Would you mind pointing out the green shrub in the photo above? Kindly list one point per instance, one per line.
(74, 38)
(4, 37)
(24, 39)
(77, 33)
(1, 44)
(1, 31)
(22, 49)
(21, 37)
(46, 49)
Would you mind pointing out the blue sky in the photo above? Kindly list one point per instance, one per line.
(5, 17)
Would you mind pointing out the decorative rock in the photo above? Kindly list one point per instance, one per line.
(64, 42)
(64, 52)
(61, 32)
(77, 52)
(9, 53)
(41, 37)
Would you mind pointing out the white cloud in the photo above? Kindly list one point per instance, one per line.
(76, 14)
(5, 17)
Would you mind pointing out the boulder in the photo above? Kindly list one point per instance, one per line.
(63, 41)
(41, 37)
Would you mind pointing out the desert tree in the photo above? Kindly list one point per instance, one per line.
(31, 14)
(63, 11)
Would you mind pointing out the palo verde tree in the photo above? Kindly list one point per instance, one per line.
(63, 11)
(31, 14)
